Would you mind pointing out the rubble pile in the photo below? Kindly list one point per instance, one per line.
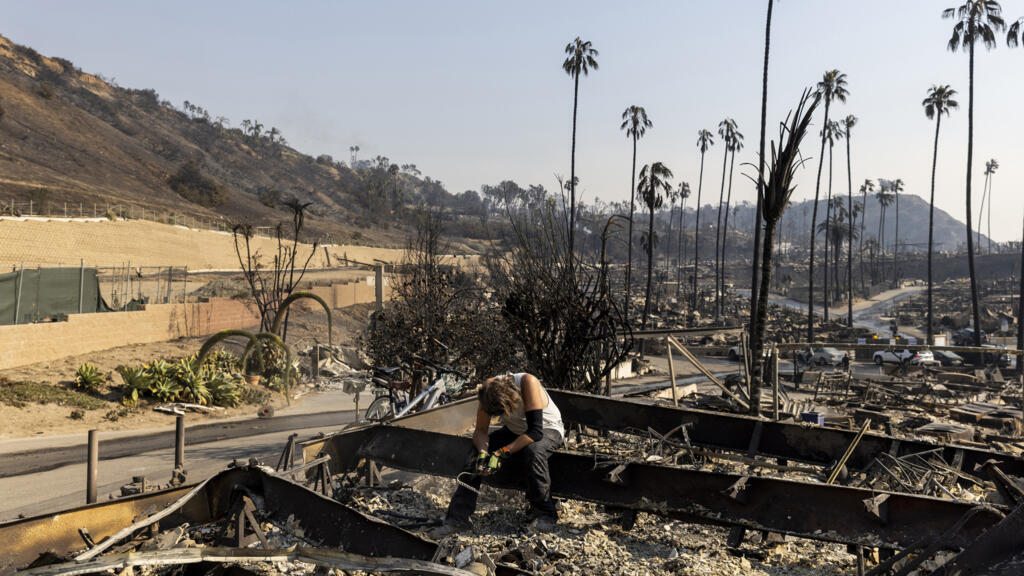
(589, 540)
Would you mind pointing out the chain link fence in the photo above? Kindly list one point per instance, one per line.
(106, 210)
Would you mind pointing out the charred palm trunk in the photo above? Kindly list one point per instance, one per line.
(668, 235)
(762, 316)
(718, 234)
(754, 269)
(826, 295)
(931, 232)
(680, 247)
(650, 261)
(696, 232)
(814, 224)
(860, 242)
(632, 213)
(725, 224)
(849, 254)
(896, 245)
(572, 172)
(975, 309)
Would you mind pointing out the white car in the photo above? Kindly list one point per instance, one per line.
(913, 357)
(736, 353)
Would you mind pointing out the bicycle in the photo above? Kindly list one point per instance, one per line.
(396, 397)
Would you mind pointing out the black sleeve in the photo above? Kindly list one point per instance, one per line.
(535, 424)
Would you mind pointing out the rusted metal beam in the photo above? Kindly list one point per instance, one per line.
(814, 444)
(322, 519)
(453, 418)
(703, 370)
(183, 556)
(1000, 550)
(808, 510)
(702, 331)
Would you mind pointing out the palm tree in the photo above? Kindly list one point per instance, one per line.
(672, 196)
(981, 210)
(726, 128)
(734, 147)
(896, 188)
(986, 193)
(835, 229)
(775, 197)
(582, 57)
(832, 87)
(976, 20)
(705, 140)
(654, 180)
(884, 201)
(848, 123)
(867, 187)
(938, 102)
(755, 267)
(635, 123)
(832, 133)
(684, 193)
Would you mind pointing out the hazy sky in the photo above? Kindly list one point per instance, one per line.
(473, 92)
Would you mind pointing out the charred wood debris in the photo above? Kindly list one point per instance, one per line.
(908, 470)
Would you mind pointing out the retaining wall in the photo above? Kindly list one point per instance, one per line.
(83, 333)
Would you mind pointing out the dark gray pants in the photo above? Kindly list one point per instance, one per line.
(531, 462)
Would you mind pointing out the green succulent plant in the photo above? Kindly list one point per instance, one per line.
(89, 378)
(192, 381)
(136, 382)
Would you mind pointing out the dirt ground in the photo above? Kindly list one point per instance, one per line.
(54, 418)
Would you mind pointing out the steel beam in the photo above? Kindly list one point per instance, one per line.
(453, 418)
(327, 521)
(813, 444)
(808, 510)
(702, 331)
(1000, 550)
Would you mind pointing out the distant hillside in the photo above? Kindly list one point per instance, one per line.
(950, 233)
(69, 136)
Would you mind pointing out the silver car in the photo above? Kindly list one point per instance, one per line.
(912, 357)
(827, 356)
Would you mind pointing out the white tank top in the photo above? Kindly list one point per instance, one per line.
(516, 421)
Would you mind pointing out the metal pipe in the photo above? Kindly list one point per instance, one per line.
(671, 374)
(81, 283)
(92, 469)
(17, 294)
(179, 442)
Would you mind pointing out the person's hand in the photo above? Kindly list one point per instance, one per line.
(481, 462)
(495, 460)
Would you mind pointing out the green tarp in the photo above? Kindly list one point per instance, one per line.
(36, 294)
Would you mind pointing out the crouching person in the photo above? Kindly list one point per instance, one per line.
(531, 430)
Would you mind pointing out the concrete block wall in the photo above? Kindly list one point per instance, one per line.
(83, 333)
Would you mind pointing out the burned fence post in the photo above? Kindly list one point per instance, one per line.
(378, 286)
(671, 374)
(92, 469)
(179, 442)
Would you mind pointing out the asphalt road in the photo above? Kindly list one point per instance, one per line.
(57, 481)
(29, 462)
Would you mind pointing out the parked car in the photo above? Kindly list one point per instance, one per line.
(1002, 359)
(913, 357)
(736, 353)
(947, 358)
(965, 337)
(826, 355)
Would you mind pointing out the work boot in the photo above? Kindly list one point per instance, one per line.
(542, 523)
(450, 526)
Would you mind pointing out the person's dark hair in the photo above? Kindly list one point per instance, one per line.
(499, 395)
